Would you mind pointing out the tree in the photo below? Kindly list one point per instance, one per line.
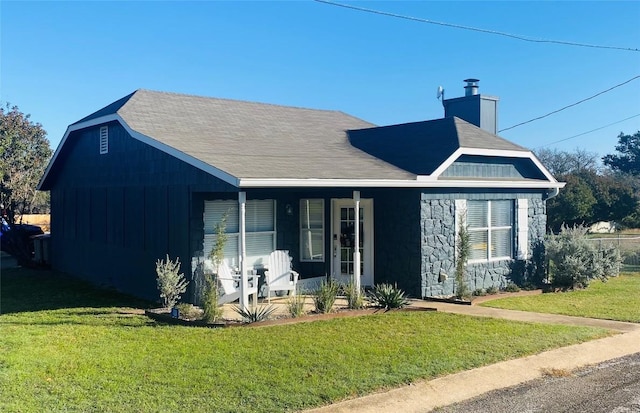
(563, 162)
(627, 159)
(574, 205)
(24, 154)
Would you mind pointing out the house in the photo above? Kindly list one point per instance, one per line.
(152, 173)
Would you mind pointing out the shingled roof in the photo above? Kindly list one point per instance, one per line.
(251, 144)
(255, 140)
(421, 147)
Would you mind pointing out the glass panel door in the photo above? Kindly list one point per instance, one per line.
(347, 240)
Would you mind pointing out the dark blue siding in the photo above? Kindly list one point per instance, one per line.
(397, 239)
(114, 215)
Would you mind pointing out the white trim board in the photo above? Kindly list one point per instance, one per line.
(169, 150)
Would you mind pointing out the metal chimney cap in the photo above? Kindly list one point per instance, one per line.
(471, 88)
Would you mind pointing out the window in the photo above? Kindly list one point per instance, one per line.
(260, 234)
(490, 225)
(104, 140)
(311, 230)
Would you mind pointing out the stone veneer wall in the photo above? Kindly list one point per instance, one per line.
(438, 247)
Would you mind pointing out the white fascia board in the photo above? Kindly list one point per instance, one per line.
(205, 167)
(388, 183)
(73, 128)
(487, 152)
(169, 150)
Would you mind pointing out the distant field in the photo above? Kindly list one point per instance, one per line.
(41, 220)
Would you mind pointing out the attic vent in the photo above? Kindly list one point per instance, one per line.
(104, 140)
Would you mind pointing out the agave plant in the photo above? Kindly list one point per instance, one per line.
(388, 296)
(255, 313)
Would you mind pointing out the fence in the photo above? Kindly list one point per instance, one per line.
(629, 247)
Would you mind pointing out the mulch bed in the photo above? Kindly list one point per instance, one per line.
(163, 315)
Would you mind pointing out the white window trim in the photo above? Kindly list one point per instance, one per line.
(322, 258)
(522, 224)
(489, 229)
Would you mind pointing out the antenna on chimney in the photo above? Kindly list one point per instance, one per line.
(440, 94)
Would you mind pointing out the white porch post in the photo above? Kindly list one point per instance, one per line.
(244, 286)
(356, 250)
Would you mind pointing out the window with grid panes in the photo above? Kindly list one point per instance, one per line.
(311, 230)
(490, 225)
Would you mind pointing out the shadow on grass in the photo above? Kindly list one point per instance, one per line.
(24, 290)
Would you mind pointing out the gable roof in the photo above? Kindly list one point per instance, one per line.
(251, 144)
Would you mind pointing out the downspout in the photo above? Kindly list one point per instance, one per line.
(554, 192)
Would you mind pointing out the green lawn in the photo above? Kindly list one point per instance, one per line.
(616, 299)
(65, 347)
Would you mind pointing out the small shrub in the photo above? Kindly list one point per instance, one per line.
(325, 296)
(355, 296)
(462, 256)
(171, 282)
(388, 296)
(212, 312)
(255, 313)
(188, 311)
(574, 261)
(295, 305)
(492, 290)
(512, 288)
(479, 292)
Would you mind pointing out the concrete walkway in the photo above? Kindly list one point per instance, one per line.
(427, 395)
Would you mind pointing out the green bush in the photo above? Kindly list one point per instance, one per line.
(355, 296)
(492, 290)
(388, 296)
(512, 288)
(255, 313)
(325, 296)
(295, 305)
(479, 292)
(212, 312)
(574, 261)
(171, 282)
(210, 296)
(463, 251)
(188, 311)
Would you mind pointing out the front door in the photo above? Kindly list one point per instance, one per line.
(344, 240)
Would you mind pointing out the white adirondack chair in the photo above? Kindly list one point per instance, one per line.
(230, 285)
(279, 276)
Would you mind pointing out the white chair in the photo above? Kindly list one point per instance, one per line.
(230, 285)
(279, 276)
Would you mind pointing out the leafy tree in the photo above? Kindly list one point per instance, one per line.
(627, 159)
(24, 154)
(574, 205)
(615, 197)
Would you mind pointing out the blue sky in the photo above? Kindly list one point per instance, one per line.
(63, 60)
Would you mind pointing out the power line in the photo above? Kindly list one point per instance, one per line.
(584, 133)
(571, 105)
(475, 29)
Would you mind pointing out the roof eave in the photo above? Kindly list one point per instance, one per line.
(205, 167)
(392, 183)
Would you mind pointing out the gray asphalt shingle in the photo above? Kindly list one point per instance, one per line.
(256, 140)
